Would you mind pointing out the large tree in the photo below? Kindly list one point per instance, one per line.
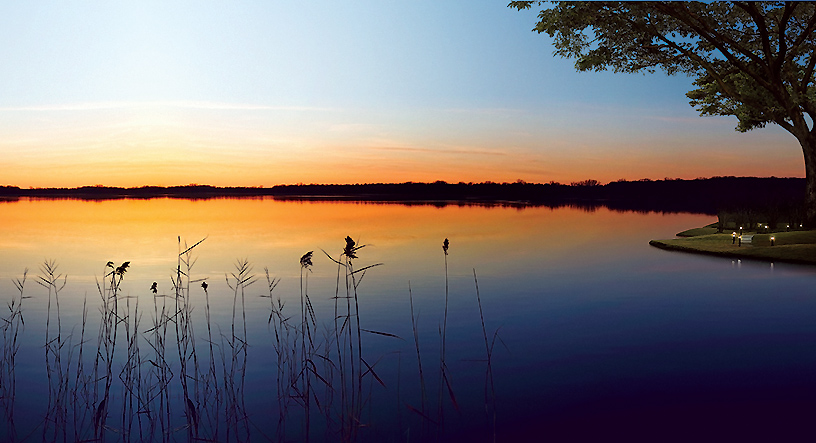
(752, 60)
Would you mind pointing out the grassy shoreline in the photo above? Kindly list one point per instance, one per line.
(789, 247)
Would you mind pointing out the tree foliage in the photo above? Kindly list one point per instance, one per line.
(751, 60)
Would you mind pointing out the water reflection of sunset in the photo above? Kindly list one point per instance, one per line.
(577, 297)
(84, 235)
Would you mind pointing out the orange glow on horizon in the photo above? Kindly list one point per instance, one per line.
(162, 145)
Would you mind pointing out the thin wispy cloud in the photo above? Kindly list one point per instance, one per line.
(460, 151)
(194, 105)
(485, 111)
(354, 127)
(695, 120)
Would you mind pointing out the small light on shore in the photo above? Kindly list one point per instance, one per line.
(772, 240)
(733, 237)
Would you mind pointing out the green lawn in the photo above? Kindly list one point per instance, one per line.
(796, 247)
(694, 232)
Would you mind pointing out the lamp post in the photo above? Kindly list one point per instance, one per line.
(733, 238)
(772, 241)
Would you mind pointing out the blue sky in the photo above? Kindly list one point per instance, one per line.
(267, 92)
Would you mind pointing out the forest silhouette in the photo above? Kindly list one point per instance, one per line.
(702, 195)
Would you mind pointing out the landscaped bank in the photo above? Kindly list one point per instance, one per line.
(791, 247)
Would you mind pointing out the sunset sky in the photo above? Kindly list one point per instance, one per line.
(258, 93)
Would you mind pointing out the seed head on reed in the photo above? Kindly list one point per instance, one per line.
(306, 260)
(350, 250)
(120, 271)
(445, 245)
(204, 285)
(154, 288)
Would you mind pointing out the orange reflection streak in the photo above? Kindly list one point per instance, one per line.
(83, 236)
(501, 243)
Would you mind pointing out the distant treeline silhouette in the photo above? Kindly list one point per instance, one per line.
(702, 195)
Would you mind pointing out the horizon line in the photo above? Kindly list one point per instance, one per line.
(587, 182)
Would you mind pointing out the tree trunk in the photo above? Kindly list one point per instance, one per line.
(809, 149)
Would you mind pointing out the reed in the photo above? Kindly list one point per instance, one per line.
(281, 348)
(159, 374)
(444, 378)
(57, 352)
(235, 374)
(185, 335)
(422, 412)
(161, 384)
(10, 330)
(490, 387)
(348, 341)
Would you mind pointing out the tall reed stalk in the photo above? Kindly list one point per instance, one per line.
(307, 325)
(348, 337)
(490, 388)
(443, 368)
(422, 412)
(106, 344)
(56, 420)
(281, 346)
(235, 374)
(185, 335)
(10, 330)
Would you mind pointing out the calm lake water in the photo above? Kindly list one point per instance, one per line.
(593, 332)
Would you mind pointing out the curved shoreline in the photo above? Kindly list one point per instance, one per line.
(750, 252)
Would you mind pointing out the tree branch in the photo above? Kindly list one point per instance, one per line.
(783, 28)
(808, 74)
(700, 60)
(774, 85)
(786, 126)
(762, 27)
(710, 34)
(807, 33)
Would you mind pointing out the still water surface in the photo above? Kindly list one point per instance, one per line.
(597, 333)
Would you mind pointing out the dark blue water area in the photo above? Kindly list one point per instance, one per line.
(679, 347)
(647, 346)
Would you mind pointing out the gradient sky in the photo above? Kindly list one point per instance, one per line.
(257, 93)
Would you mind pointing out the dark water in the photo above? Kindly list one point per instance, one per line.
(594, 334)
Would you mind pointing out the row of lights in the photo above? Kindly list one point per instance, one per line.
(767, 226)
